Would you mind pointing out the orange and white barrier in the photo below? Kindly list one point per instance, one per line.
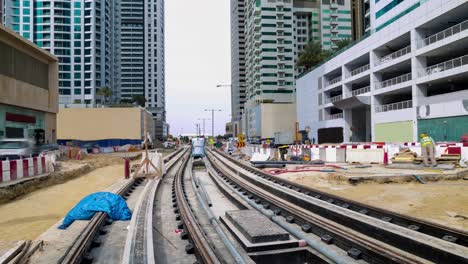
(11, 170)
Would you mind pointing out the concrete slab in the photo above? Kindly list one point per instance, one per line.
(256, 227)
(259, 246)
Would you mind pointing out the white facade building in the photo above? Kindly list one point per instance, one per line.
(409, 76)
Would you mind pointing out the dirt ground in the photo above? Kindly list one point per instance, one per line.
(32, 214)
(433, 201)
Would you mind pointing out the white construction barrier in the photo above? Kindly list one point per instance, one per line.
(332, 154)
(12, 170)
(365, 155)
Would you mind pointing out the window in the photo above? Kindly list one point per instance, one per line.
(387, 8)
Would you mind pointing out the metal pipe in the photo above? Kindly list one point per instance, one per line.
(212, 218)
(203, 191)
(317, 246)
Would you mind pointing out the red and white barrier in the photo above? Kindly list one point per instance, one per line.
(375, 153)
(11, 170)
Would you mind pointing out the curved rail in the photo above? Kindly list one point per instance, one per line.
(200, 242)
(425, 227)
(76, 253)
(139, 242)
(374, 243)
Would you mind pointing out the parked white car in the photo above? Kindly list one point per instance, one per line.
(13, 148)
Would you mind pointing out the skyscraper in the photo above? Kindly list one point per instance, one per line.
(237, 57)
(276, 32)
(78, 33)
(237, 63)
(113, 43)
(155, 91)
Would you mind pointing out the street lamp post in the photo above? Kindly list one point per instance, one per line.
(204, 132)
(212, 119)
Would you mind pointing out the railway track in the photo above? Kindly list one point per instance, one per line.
(139, 242)
(446, 233)
(199, 241)
(79, 250)
(365, 235)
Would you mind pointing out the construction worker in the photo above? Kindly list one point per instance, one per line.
(428, 150)
(283, 150)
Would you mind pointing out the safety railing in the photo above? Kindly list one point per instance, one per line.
(361, 91)
(359, 70)
(334, 99)
(446, 65)
(394, 106)
(400, 79)
(336, 80)
(394, 55)
(444, 34)
(335, 116)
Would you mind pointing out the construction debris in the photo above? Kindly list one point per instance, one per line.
(404, 156)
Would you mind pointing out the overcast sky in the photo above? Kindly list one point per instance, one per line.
(198, 58)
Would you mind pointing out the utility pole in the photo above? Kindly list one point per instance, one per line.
(212, 119)
(197, 129)
(204, 132)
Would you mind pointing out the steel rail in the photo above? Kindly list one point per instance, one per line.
(200, 242)
(449, 234)
(76, 253)
(369, 236)
(343, 237)
(139, 243)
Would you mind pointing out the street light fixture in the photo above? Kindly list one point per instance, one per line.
(212, 119)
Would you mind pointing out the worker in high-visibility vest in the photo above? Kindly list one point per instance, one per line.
(428, 150)
(283, 150)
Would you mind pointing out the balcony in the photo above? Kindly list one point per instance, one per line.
(445, 66)
(334, 81)
(444, 34)
(359, 91)
(335, 116)
(394, 55)
(333, 99)
(400, 79)
(359, 70)
(394, 106)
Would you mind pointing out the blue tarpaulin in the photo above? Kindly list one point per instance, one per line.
(112, 204)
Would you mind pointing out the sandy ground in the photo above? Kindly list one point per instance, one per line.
(32, 214)
(430, 201)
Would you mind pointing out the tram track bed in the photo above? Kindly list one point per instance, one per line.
(97, 240)
(386, 242)
(220, 210)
